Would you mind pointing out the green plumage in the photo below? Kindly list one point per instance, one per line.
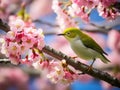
(83, 45)
(90, 43)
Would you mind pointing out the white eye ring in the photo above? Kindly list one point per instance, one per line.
(68, 33)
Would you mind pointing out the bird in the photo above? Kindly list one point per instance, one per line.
(84, 46)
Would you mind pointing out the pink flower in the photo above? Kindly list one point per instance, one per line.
(68, 76)
(114, 57)
(13, 77)
(17, 25)
(10, 35)
(28, 41)
(13, 48)
(87, 3)
(107, 3)
(106, 86)
(74, 10)
(44, 64)
(108, 13)
(40, 8)
(63, 18)
(114, 40)
(21, 40)
(15, 59)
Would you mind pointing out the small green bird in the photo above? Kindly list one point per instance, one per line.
(84, 46)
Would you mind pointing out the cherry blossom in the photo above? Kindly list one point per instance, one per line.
(83, 8)
(114, 40)
(24, 42)
(21, 40)
(62, 17)
(13, 77)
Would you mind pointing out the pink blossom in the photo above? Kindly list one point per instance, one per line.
(74, 10)
(62, 16)
(21, 40)
(114, 57)
(44, 64)
(68, 75)
(10, 35)
(13, 77)
(15, 59)
(88, 3)
(107, 3)
(28, 41)
(17, 25)
(114, 40)
(108, 13)
(13, 48)
(106, 86)
(40, 8)
(56, 75)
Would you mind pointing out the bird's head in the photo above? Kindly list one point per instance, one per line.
(70, 33)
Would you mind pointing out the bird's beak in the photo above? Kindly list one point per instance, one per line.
(61, 34)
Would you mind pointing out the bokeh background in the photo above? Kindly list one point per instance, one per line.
(26, 78)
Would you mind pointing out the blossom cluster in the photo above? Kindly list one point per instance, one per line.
(83, 8)
(63, 18)
(21, 42)
(57, 71)
(104, 7)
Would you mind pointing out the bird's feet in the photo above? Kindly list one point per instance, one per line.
(89, 68)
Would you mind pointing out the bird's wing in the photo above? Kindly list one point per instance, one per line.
(90, 43)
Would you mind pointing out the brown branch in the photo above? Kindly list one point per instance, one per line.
(45, 23)
(96, 31)
(117, 6)
(82, 67)
(4, 26)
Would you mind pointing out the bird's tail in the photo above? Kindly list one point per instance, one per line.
(104, 59)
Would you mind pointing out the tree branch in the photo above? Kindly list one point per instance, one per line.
(46, 23)
(82, 67)
(117, 6)
(4, 26)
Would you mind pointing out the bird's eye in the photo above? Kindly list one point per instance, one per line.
(68, 33)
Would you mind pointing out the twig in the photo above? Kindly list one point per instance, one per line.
(4, 26)
(117, 6)
(46, 23)
(96, 31)
(82, 67)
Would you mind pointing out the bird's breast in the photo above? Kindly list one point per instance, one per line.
(82, 51)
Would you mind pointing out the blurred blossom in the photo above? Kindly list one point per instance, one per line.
(88, 3)
(63, 18)
(106, 86)
(40, 8)
(83, 8)
(44, 84)
(13, 78)
(114, 40)
(7, 7)
(114, 57)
